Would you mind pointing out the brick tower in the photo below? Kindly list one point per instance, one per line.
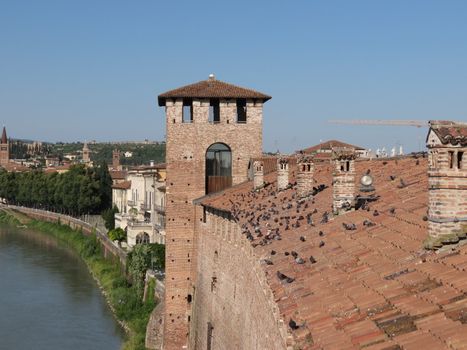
(4, 149)
(305, 172)
(116, 160)
(447, 178)
(343, 188)
(213, 129)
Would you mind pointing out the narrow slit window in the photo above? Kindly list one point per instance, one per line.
(214, 111)
(210, 331)
(241, 110)
(347, 166)
(187, 111)
(460, 157)
(451, 159)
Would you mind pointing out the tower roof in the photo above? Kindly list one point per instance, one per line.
(211, 88)
(4, 138)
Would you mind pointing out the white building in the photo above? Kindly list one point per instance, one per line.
(140, 200)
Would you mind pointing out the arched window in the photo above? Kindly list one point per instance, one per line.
(142, 238)
(218, 167)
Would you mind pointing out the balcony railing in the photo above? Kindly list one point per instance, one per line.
(145, 206)
(139, 223)
(159, 208)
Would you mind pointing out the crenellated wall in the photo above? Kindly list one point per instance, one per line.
(231, 295)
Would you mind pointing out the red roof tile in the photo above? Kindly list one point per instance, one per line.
(211, 88)
(373, 287)
(329, 145)
(450, 132)
(124, 185)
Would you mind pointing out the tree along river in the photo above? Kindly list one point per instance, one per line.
(48, 299)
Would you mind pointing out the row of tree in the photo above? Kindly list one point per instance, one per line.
(79, 191)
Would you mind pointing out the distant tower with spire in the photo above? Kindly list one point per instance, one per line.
(4, 149)
(86, 153)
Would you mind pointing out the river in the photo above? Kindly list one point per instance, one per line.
(48, 299)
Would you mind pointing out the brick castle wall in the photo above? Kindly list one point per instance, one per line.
(232, 293)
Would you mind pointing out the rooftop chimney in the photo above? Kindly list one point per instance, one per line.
(282, 173)
(305, 172)
(447, 183)
(343, 181)
(258, 174)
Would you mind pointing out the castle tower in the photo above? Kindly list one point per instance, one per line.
(343, 189)
(213, 130)
(116, 160)
(258, 174)
(282, 173)
(4, 149)
(447, 179)
(86, 153)
(305, 172)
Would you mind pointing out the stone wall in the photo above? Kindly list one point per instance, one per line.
(109, 249)
(231, 293)
(186, 148)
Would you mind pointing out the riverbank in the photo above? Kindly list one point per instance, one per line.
(122, 297)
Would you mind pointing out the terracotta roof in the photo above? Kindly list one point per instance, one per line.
(450, 132)
(118, 174)
(211, 88)
(149, 167)
(4, 138)
(124, 185)
(329, 145)
(373, 287)
(14, 167)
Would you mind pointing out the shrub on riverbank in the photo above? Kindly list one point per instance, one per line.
(123, 296)
(8, 219)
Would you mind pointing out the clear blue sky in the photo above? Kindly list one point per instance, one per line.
(75, 70)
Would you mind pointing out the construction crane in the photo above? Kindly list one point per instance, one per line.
(417, 123)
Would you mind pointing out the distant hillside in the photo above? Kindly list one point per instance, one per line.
(141, 153)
